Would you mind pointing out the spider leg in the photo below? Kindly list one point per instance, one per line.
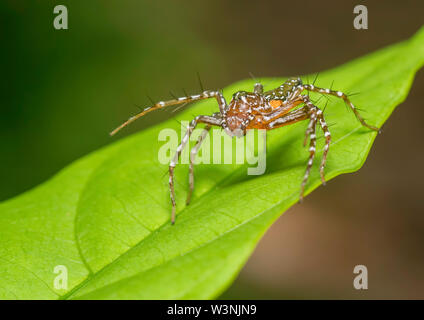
(258, 88)
(319, 116)
(311, 128)
(193, 154)
(289, 118)
(339, 94)
(162, 104)
(312, 150)
(327, 136)
(199, 119)
(281, 111)
(308, 111)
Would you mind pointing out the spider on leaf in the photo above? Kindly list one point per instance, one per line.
(255, 110)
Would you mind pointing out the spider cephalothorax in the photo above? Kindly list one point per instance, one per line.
(256, 110)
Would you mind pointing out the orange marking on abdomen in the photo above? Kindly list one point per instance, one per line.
(275, 103)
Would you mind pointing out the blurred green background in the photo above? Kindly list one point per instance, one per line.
(63, 91)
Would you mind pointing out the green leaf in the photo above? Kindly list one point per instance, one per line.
(106, 217)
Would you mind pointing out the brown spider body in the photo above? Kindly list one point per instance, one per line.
(250, 110)
(256, 110)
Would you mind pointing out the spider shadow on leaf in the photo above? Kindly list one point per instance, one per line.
(280, 157)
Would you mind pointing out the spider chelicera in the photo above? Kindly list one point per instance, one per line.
(255, 110)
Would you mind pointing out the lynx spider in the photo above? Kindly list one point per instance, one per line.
(255, 110)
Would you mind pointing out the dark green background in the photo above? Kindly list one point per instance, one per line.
(63, 90)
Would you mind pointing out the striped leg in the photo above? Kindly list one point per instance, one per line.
(309, 111)
(162, 104)
(311, 125)
(193, 154)
(312, 149)
(318, 116)
(327, 136)
(199, 119)
(339, 94)
(290, 118)
(258, 88)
